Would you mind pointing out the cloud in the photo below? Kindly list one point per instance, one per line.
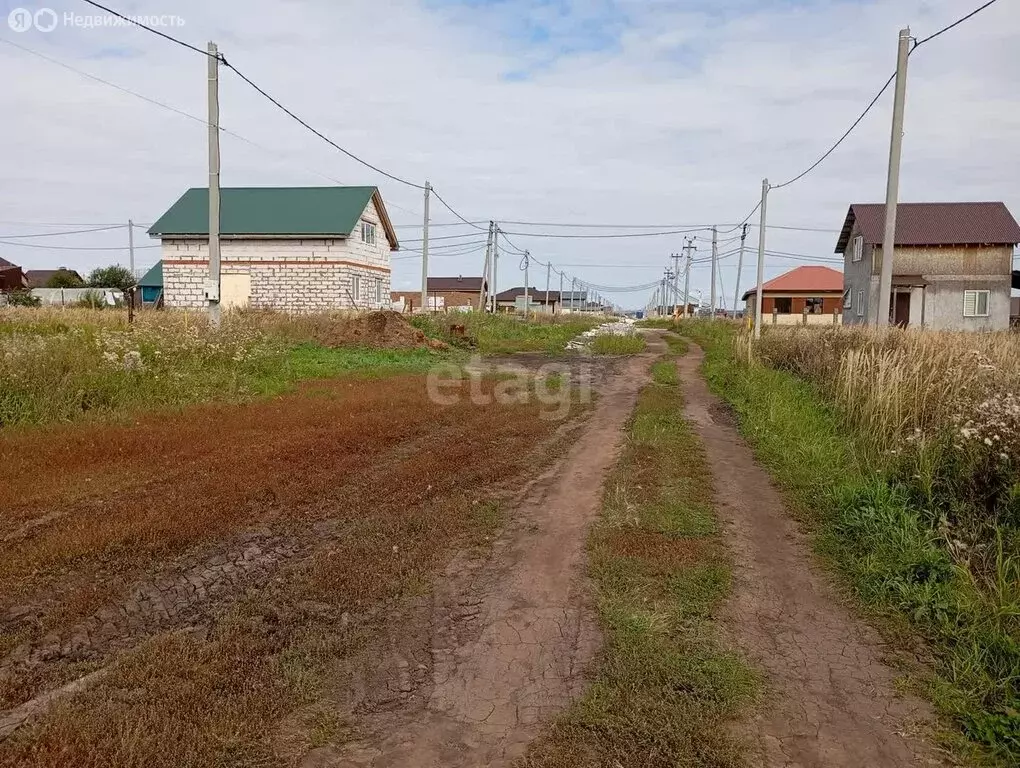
(625, 111)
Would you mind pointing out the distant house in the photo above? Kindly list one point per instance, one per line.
(150, 286)
(40, 278)
(445, 293)
(811, 290)
(951, 265)
(12, 278)
(512, 299)
(298, 249)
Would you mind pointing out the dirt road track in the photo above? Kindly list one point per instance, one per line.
(507, 638)
(832, 701)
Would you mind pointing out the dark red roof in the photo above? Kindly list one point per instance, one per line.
(934, 224)
(4, 264)
(803, 280)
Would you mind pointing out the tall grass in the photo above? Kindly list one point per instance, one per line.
(902, 452)
(507, 333)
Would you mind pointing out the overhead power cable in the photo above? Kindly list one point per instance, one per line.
(73, 247)
(959, 21)
(164, 35)
(68, 232)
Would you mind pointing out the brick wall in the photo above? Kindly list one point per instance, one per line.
(286, 274)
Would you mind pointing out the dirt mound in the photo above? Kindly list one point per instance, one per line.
(380, 330)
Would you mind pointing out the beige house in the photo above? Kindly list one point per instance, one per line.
(296, 249)
(952, 265)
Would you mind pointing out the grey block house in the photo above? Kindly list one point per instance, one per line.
(952, 265)
(295, 249)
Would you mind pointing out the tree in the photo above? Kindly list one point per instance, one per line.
(64, 278)
(114, 276)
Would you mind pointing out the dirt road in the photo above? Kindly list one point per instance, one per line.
(501, 647)
(832, 699)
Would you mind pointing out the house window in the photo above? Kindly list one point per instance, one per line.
(858, 250)
(975, 303)
(860, 303)
(368, 232)
(356, 288)
(814, 306)
(378, 291)
(848, 296)
(784, 306)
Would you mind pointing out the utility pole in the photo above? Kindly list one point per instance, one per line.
(740, 268)
(212, 288)
(548, 275)
(527, 255)
(687, 276)
(892, 189)
(561, 294)
(761, 257)
(676, 282)
(131, 249)
(483, 300)
(495, 264)
(715, 259)
(425, 252)
(573, 294)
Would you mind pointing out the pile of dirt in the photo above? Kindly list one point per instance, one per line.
(379, 330)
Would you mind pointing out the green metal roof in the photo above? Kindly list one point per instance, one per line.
(154, 277)
(272, 211)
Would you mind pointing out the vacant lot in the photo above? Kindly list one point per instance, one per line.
(902, 451)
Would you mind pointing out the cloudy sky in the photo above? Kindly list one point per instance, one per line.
(611, 112)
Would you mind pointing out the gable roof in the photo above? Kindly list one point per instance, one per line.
(154, 277)
(38, 278)
(4, 264)
(810, 279)
(933, 224)
(536, 295)
(275, 212)
(459, 283)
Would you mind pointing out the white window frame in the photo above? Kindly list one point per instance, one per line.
(975, 297)
(368, 232)
(378, 291)
(848, 298)
(356, 288)
(858, 249)
(860, 303)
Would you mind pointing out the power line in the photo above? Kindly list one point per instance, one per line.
(165, 36)
(73, 247)
(451, 210)
(959, 21)
(599, 237)
(69, 232)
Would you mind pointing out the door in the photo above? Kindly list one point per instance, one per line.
(235, 290)
(901, 309)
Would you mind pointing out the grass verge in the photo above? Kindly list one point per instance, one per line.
(612, 344)
(891, 551)
(664, 689)
(504, 333)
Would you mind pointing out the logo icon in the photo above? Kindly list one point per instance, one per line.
(45, 19)
(20, 20)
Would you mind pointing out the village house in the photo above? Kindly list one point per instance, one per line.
(296, 249)
(952, 265)
(810, 294)
(458, 293)
(512, 300)
(42, 278)
(11, 277)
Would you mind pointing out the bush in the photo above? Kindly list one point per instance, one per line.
(114, 276)
(65, 278)
(22, 299)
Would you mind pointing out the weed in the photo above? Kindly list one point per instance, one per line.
(504, 333)
(617, 344)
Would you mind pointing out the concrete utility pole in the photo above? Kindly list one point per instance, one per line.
(573, 294)
(561, 295)
(740, 269)
(715, 260)
(689, 247)
(761, 257)
(483, 300)
(548, 275)
(212, 287)
(892, 189)
(676, 282)
(495, 263)
(131, 249)
(527, 258)
(425, 252)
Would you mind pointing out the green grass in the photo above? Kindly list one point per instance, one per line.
(887, 548)
(504, 333)
(664, 689)
(313, 361)
(618, 345)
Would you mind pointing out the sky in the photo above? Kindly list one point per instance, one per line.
(609, 112)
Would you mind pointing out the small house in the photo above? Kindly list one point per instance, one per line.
(951, 265)
(45, 278)
(296, 249)
(512, 300)
(808, 294)
(150, 286)
(12, 278)
(458, 293)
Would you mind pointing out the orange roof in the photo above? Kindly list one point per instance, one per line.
(804, 280)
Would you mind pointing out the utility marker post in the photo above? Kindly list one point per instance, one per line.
(483, 300)
(425, 252)
(715, 259)
(740, 269)
(689, 247)
(527, 255)
(212, 283)
(892, 189)
(761, 257)
(548, 275)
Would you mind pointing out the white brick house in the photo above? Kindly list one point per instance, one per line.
(296, 249)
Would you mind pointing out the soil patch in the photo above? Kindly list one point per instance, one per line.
(378, 330)
(834, 702)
